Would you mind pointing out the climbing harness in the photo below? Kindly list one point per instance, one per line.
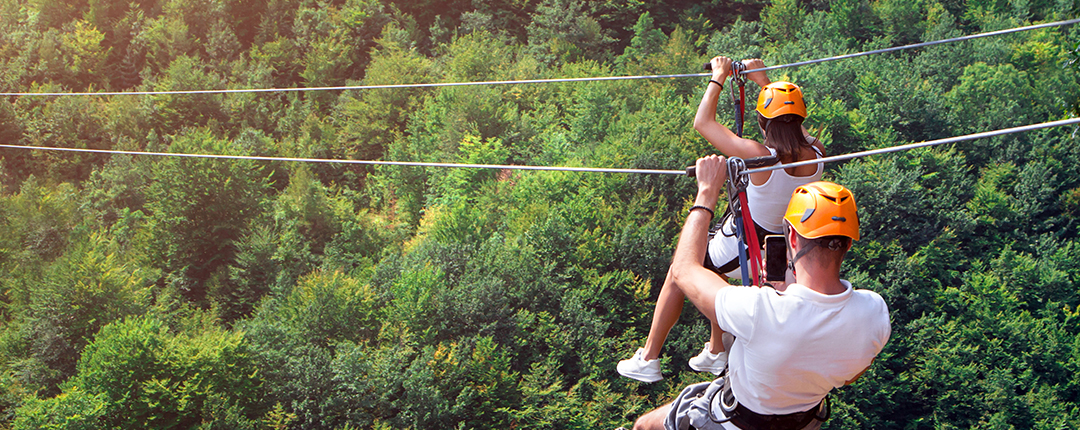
(750, 263)
(745, 230)
(736, 192)
(742, 417)
(738, 209)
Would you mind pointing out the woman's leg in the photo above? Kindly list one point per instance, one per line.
(713, 357)
(716, 337)
(668, 308)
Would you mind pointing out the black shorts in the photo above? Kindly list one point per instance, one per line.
(734, 263)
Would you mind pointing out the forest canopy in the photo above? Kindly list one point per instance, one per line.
(163, 292)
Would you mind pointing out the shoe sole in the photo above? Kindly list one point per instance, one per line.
(713, 370)
(641, 376)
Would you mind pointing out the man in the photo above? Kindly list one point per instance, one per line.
(780, 114)
(793, 344)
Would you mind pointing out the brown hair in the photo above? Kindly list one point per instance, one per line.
(784, 134)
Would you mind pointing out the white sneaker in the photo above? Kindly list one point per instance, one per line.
(637, 367)
(709, 362)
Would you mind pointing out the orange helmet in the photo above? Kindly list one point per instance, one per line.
(781, 98)
(820, 209)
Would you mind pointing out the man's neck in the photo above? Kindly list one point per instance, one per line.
(825, 280)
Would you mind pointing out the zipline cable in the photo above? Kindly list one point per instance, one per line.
(916, 45)
(360, 87)
(852, 155)
(688, 171)
(365, 162)
(534, 81)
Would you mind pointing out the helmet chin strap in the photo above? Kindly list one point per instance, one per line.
(834, 244)
(802, 253)
(791, 260)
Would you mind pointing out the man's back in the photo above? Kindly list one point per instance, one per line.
(793, 347)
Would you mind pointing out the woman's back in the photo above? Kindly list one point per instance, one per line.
(768, 198)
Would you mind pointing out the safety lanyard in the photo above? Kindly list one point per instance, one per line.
(739, 101)
(749, 251)
(750, 263)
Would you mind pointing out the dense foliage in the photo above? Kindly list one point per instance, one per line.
(161, 292)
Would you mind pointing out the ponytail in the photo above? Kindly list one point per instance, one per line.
(784, 134)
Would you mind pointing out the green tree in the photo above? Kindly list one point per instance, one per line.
(902, 20)
(1074, 62)
(561, 32)
(782, 20)
(87, 288)
(296, 337)
(852, 17)
(139, 374)
(198, 209)
(68, 123)
(371, 119)
(36, 225)
(75, 409)
(175, 112)
(742, 39)
(1004, 91)
(646, 41)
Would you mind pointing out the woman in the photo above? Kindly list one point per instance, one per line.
(781, 111)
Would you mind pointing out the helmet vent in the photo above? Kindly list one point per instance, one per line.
(839, 218)
(768, 102)
(806, 215)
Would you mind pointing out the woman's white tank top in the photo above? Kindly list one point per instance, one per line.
(769, 201)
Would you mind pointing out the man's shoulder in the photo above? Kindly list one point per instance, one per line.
(741, 296)
(871, 303)
(747, 291)
(868, 295)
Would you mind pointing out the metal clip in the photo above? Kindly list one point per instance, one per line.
(737, 182)
(737, 67)
(738, 99)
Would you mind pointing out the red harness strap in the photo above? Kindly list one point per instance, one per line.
(752, 244)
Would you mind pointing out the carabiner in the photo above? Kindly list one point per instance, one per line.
(737, 67)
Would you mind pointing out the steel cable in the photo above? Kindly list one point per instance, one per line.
(535, 81)
(571, 169)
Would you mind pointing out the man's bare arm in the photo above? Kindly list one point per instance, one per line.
(696, 282)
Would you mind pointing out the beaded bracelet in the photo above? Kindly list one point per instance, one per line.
(711, 213)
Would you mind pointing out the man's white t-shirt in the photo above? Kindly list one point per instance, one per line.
(791, 348)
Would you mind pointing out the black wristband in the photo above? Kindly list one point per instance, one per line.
(714, 81)
(711, 213)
